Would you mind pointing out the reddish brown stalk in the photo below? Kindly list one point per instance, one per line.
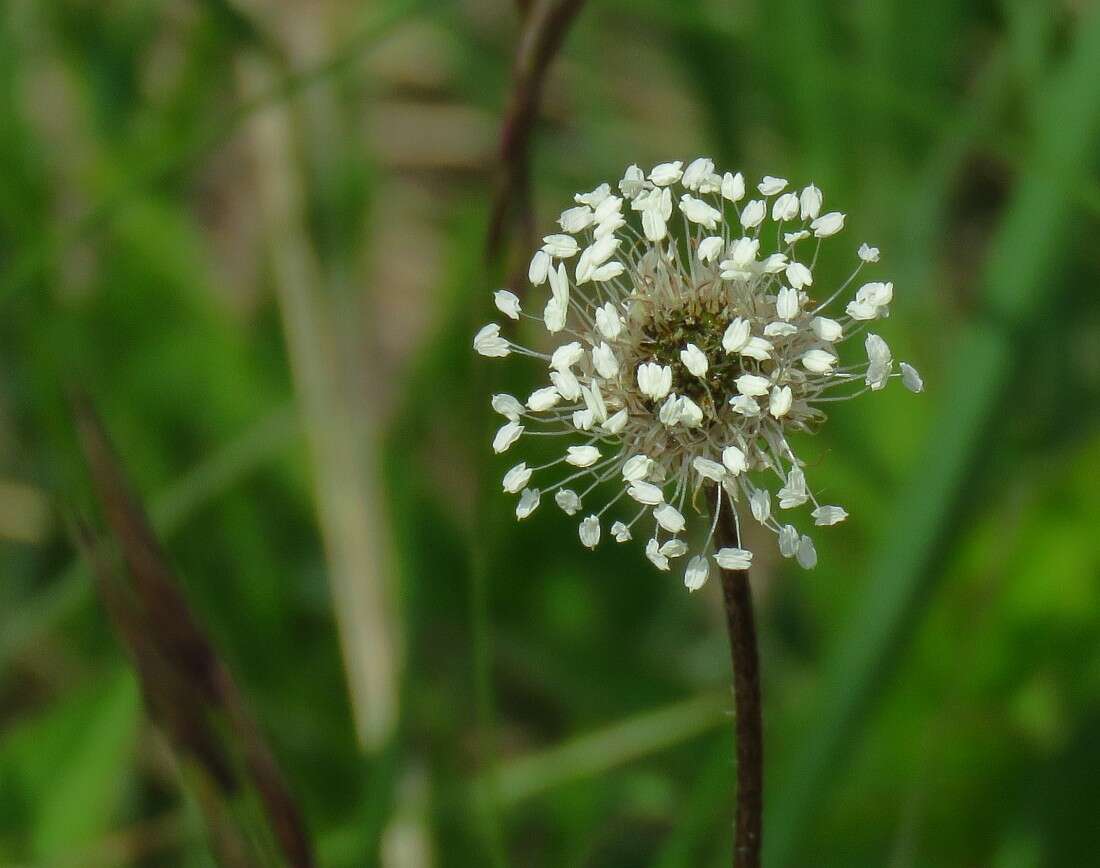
(545, 24)
(188, 689)
(746, 698)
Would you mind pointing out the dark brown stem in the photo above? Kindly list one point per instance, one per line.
(545, 24)
(746, 698)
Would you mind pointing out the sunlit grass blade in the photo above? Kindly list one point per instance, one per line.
(610, 747)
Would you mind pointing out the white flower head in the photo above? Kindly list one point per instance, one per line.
(683, 349)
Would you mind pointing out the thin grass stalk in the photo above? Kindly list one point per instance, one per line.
(749, 729)
(349, 508)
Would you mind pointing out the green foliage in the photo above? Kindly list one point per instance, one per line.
(931, 688)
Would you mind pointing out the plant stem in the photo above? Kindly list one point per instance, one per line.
(746, 699)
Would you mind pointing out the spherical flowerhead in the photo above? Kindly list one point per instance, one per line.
(684, 349)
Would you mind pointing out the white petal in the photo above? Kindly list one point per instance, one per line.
(769, 186)
(608, 227)
(867, 253)
(516, 478)
(653, 225)
(786, 304)
(788, 540)
(744, 405)
(793, 493)
(590, 531)
(779, 329)
(828, 224)
(858, 311)
(608, 271)
(698, 211)
(633, 182)
(669, 517)
(911, 378)
(826, 516)
(757, 348)
(608, 321)
(826, 329)
(698, 569)
(543, 399)
(528, 503)
(567, 355)
(595, 197)
(566, 383)
(785, 207)
(507, 406)
(709, 469)
(694, 359)
(603, 358)
(733, 558)
(575, 219)
(620, 531)
(636, 468)
(798, 275)
(593, 400)
(559, 285)
(568, 500)
(654, 380)
(752, 385)
(540, 265)
(646, 493)
(818, 361)
(488, 342)
(760, 502)
(664, 174)
(507, 303)
(734, 459)
(652, 551)
(775, 263)
(560, 246)
(608, 209)
(876, 293)
(690, 413)
(792, 237)
(554, 316)
(806, 553)
(810, 202)
(674, 548)
(752, 214)
(670, 412)
(710, 248)
(583, 420)
(736, 336)
(616, 422)
(733, 187)
(779, 404)
(697, 172)
(508, 434)
(582, 456)
(877, 349)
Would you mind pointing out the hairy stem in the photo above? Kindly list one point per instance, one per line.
(746, 698)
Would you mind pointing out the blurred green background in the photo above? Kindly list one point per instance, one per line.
(254, 232)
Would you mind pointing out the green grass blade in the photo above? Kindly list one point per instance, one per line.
(1018, 278)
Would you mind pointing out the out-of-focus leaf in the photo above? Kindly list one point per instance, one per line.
(189, 690)
(85, 781)
(1019, 277)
